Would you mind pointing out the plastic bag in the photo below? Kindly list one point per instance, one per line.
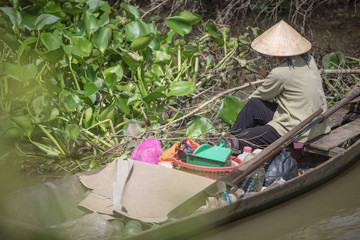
(89, 227)
(168, 153)
(282, 165)
(148, 151)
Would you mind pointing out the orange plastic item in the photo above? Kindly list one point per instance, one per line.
(168, 153)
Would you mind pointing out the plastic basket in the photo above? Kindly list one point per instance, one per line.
(209, 172)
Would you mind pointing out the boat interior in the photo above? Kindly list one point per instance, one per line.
(345, 130)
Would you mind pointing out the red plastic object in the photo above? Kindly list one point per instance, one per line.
(191, 143)
(209, 172)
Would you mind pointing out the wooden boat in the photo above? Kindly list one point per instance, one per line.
(55, 202)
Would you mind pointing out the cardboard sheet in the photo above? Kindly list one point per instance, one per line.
(139, 190)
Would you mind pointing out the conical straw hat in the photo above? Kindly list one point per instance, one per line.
(281, 40)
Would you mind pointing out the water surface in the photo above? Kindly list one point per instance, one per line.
(329, 212)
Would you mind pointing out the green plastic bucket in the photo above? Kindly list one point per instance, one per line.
(210, 156)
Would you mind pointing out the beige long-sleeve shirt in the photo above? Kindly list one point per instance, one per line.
(298, 92)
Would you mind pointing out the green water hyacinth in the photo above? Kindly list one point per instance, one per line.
(76, 72)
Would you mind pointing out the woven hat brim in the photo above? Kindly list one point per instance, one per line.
(281, 40)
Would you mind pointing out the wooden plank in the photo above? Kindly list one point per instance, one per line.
(337, 136)
(338, 117)
(354, 105)
(333, 152)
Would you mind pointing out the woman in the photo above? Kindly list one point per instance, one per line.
(290, 93)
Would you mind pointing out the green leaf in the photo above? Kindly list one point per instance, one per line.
(189, 52)
(51, 41)
(199, 127)
(72, 101)
(107, 113)
(138, 28)
(28, 21)
(94, 164)
(255, 30)
(22, 73)
(181, 88)
(225, 30)
(101, 38)
(132, 59)
(54, 8)
(74, 9)
(39, 104)
(121, 103)
(73, 131)
(13, 14)
(131, 11)
(12, 135)
(333, 60)
(45, 19)
(212, 31)
(90, 88)
(118, 37)
(134, 98)
(54, 114)
(88, 117)
(54, 56)
(10, 38)
(118, 70)
(28, 41)
(161, 57)
(156, 94)
(158, 70)
(230, 108)
(179, 25)
(243, 40)
(91, 23)
(190, 17)
(95, 5)
(141, 42)
(110, 81)
(155, 44)
(81, 46)
(25, 123)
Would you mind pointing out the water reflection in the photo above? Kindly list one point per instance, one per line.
(330, 212)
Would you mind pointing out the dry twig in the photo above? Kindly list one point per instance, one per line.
(209, 101)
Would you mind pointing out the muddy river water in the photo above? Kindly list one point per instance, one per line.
(330, 212)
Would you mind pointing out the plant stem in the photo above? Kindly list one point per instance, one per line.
(196, 69)
(223, 61)
(142, 82)
(179, 58)
(73, 74)
(96, 137)
(113, 130)
(51, 138)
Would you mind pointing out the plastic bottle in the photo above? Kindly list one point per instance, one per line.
(254, 181)
(258, 150)
(247, 150)
(223, 199)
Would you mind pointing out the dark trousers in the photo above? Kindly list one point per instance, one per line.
(251, 126)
